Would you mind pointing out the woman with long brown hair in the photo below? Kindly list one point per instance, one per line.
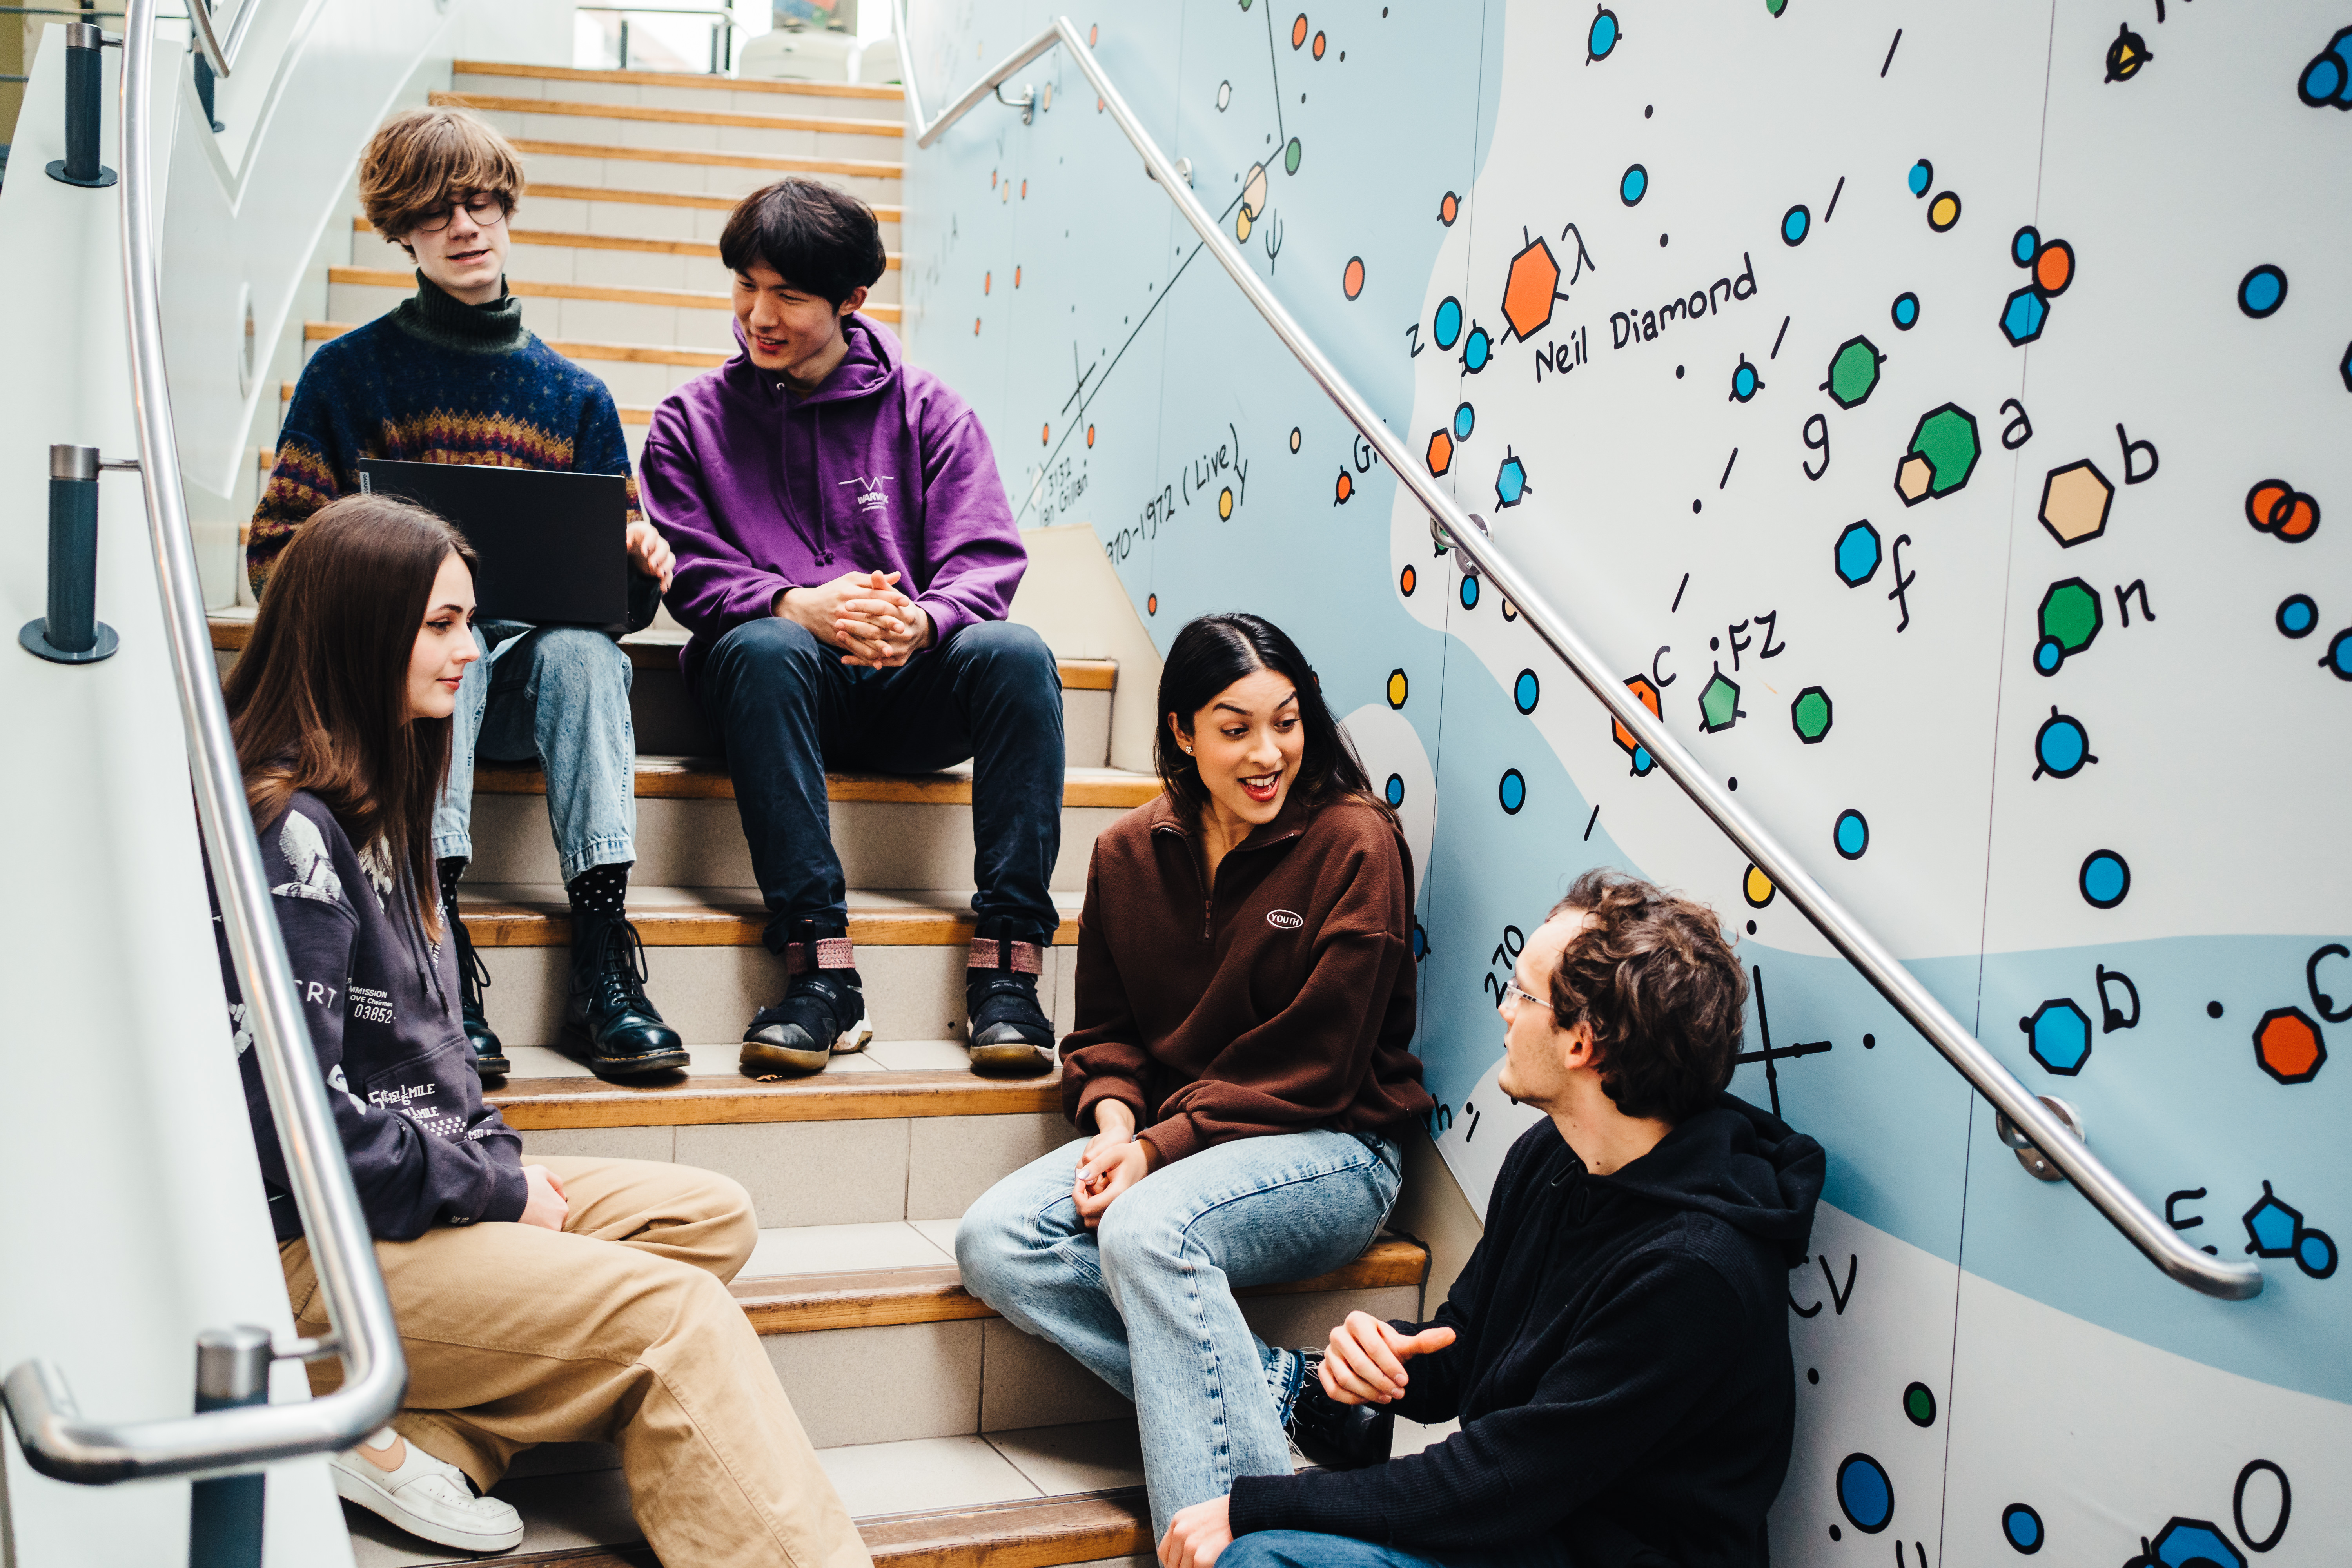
(564, 1301)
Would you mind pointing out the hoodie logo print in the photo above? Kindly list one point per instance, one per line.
(1283, 920)
(871, 496)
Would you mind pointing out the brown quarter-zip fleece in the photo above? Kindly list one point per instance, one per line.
(1281, 1003)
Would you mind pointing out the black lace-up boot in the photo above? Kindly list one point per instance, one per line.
(1011, 1036)
(1335, 1436)
(473, 977)
(823, 1011)
(608, 1021)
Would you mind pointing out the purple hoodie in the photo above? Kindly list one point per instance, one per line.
(882, 467)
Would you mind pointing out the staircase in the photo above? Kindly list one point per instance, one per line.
(954, 1438)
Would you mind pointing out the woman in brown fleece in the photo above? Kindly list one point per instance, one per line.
(1239, 1074)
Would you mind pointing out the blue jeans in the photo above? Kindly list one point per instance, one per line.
(557, 696)
(1307, 1549)
(1146, 1303)
(785, 708)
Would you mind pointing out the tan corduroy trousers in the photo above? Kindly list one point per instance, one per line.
(618, 1329)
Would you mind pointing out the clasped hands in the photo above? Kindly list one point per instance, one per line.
(649, 553)
(1114, 1159)
(864, 614)
(1363, 1365)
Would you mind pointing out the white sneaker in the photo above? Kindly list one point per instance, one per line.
(426, 1498)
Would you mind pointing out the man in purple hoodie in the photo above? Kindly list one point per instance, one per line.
(844, 559)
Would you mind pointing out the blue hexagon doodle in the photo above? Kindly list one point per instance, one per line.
(2023, 318)
(2185, 1541)
(1510, 480)
(1857, 554)
(2274, 1228)
(2060, 1036)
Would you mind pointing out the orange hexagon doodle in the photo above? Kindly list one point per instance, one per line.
(2074, 501)
(1528, 291)
(1441, 451)
(2288, 1046)
(1640, 687)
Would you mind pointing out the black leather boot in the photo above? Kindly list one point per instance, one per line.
(608, 1021)
(1335, 1436)
(473, 977)
(1011, 1036)
(823, 1011)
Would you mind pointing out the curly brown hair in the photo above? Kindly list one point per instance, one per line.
(421, 160)
(1654, 977)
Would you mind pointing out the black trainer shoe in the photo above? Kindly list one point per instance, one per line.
(473, 979)
(608, 1021)
(823, 1011)
(1011, 1036)
(1335, 1436)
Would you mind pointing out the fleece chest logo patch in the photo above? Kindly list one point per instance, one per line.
(1283, 920)
(871, 492)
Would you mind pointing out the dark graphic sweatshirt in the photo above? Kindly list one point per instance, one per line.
(1281, 1003)
(381, 1004)
(881, 469)
(1620, 1363)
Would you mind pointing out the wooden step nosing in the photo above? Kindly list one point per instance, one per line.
(506, 925)
(696, 199)
(875, 91)
(780, 163)
(546, 1104)
(660, 114)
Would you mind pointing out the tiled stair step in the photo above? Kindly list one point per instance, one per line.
(701, 88)
(663, 114)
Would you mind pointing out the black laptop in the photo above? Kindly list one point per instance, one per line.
(553, 545)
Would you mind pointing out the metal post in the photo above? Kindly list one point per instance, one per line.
(225, 1515)
(624, 42)
(71, 633)
(205, 92)
(81, 166)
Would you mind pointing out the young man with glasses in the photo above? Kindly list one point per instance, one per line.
(452, 376)
(1617, 1348)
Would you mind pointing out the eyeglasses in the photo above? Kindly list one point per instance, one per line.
(1511, 992)
(484, 208)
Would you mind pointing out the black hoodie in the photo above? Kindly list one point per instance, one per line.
(1620, 1363)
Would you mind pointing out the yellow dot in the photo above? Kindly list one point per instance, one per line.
(1241, 223)
(1944, 212)
(1758, 886)
(1396, 688)
(1225, 503)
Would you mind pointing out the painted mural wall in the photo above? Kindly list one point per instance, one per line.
(1937, 413)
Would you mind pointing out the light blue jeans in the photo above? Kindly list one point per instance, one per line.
(557, 696)
(1146, 1303)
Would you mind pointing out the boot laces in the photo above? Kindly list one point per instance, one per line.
(620, 969)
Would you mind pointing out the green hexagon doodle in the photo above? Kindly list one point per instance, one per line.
(1810, 714)
(1719, 705)
(1853, 372)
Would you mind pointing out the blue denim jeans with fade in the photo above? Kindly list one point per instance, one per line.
(1146, 1302)
(1309, 1548)
(557, 696)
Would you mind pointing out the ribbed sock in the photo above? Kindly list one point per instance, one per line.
(600, 891)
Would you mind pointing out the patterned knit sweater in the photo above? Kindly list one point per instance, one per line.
(435, 381)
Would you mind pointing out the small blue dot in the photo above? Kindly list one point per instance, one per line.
(1795, 224)
(1514, 791)
(1852, 836)
(1603, 35)
(1474, 352)
(1396, 790)
(1525, 690)
(2105, 879)
(1922, 175)
(1906, 311)
(1634, 185)
(2297, 615)
(2022, 248)
(2315, 1253)
(1643, 760)
(2022, 1526)
(2323, 78)
(1464, 418)
(2062, 746)
(2261, 291)
(1743, 383)
(2339, 655)
(2048, 655)
(1866, 1492)
(1469, 592)
(1447, 324)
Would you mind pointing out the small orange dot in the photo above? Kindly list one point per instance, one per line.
(987, 281)
(1093, 35)
(1318, 46)
(1347, 486)
(2054, 268)
(975, 326)
(1406, 579)
(1090, 435)
(1045, 434)
(1351, 282)
(1448, 209)
(1024, 190)
(1098, 106)
(1017, 278)
(991, 179)
(1299, 30)
(1152, 604)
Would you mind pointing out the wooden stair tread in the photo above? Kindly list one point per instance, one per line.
(638, 353)
(536, 1104)
(782, 163)
(651, 649)
(656, 113)
(706, 778)
(876, 91)
(694, 199)
(508, 916)
(658, 246)
(806, 1303)
(532, 288)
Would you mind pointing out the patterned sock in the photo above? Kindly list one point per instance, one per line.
(600, 891)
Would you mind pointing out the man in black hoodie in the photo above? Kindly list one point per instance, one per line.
(1617, 1348)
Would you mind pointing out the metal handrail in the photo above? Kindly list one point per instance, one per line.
(1466, 533)
(57, 1441)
